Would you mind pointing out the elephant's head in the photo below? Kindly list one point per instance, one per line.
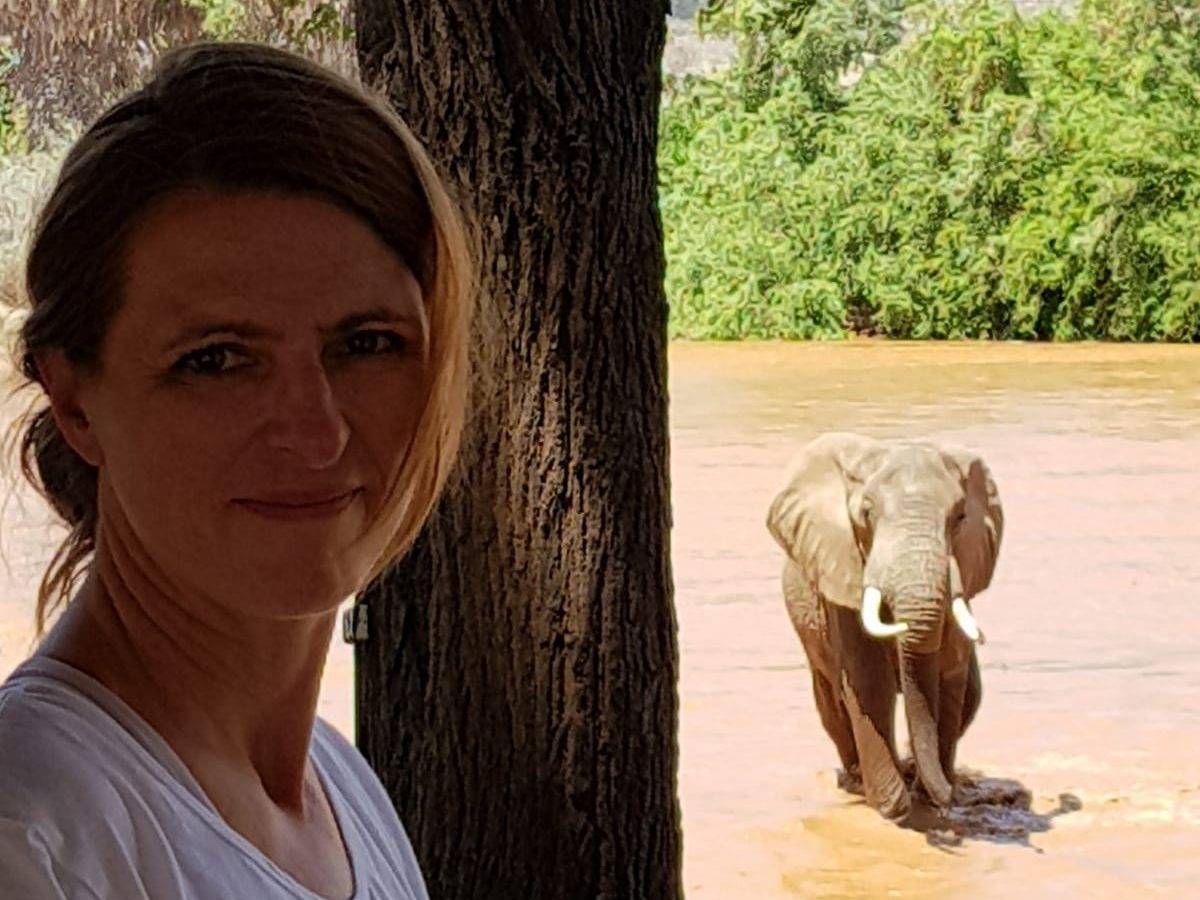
(905, 533)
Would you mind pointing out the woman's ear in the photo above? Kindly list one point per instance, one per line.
(64, 387)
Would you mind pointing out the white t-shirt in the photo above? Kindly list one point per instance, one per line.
(94, 805)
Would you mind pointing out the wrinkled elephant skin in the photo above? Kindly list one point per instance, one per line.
(887, 543)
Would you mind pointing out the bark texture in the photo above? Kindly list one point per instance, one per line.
(518, 691)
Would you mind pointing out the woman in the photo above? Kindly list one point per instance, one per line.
(249, 304)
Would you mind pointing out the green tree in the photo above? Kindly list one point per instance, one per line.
(988, 176)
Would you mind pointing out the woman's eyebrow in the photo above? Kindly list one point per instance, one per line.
(200, 331)
(254, 331)
(380, 314)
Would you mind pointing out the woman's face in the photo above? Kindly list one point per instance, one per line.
(258, 389)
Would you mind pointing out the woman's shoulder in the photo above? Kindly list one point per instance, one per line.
(65, 756)
(44, 725)
(71, 783)
(55, 744)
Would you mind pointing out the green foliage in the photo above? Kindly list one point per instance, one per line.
(293, 23)
(786, 46)
(223, 19)
(12, 130)
(987, 176)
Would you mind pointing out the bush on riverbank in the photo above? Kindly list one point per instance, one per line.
(987, 176)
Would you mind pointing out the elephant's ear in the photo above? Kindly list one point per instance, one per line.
(977, 542)
(809, 517)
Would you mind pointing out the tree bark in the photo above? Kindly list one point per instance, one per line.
(517, 693)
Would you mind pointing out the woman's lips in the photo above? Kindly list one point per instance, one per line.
(299, 504)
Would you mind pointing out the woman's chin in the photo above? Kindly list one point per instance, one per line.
(296, 591)
(287, 572)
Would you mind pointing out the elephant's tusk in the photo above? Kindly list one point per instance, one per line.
(964, 619)
(872, 602)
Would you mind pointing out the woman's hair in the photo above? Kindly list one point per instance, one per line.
(237, 117)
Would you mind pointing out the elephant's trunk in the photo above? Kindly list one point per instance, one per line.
(922, 607)
(920, 681)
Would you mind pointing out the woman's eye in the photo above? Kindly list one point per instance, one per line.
(373, 343)
(211, 360)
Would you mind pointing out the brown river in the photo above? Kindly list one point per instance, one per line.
(1091, 671)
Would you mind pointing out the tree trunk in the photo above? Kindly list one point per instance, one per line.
(517, 693)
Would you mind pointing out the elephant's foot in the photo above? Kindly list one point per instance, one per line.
(850, 780)
(919, 791)
(912, 780)
(896, 809)
(923, 816)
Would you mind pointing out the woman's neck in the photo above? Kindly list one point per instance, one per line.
(234, 696)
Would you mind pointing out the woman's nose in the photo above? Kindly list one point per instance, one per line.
(307, 420)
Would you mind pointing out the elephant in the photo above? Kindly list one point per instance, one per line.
(886, 544)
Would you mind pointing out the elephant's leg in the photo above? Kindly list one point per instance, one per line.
(804, 609)
(836, 721)
(974, 693)
(950, 720)
(867, 684)
(959, 700)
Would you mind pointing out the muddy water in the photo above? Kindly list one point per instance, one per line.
(1091, 672)
(1092, 666)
